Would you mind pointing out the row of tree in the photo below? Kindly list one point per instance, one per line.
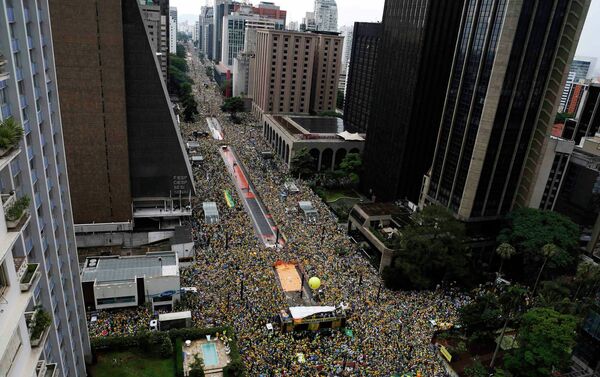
(180, 84)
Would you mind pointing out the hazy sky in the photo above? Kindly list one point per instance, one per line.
(371, 10)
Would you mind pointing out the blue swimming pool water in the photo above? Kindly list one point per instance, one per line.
(210, 354)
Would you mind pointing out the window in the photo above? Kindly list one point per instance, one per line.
(115, 300)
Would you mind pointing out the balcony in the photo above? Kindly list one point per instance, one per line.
(23, 101)
(38, 323)
(33, 68)
(17, 213)
(19, 71)
(26, 14)
(26, 127)
(15, 44)
(30, 275)
(3, 71)
(51, 371)
(6, 113)
(10, 14)
(29, 42)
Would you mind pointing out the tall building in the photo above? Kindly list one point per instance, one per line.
(497, 117)
(361, 75)
(293, 26)
(206, 35)
(417, 47)
(195, 33)
(235, 25)
(39, 272)
(295, 72)
(172, 30)
(308, 22)
(587, 116)
(581, 69)
(221, 9)
(135, 175)
(156, 20)
(326, 15)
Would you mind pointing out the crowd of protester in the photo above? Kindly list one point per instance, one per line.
(236, 284)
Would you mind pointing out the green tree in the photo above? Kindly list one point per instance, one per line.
(586, 277)
(430, 251)
(476, 370)
(179, 63)
(11, 133)
(330, 114)
(351, 166)
(512, 302)
(481, 316)
(180, 51)
(183, 37)
(528, 230)
(302, 163)
(233, 105)
(339, 102)
(505, 251)
(548, 252)
(545, 339)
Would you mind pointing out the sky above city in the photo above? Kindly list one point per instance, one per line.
(350, 11)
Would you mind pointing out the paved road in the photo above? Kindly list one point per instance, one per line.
(265, 227)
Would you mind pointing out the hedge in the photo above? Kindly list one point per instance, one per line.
(152, 342)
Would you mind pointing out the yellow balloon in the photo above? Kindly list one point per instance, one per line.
(314, 282)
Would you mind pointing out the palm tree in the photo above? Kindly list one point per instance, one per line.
(548, 251)
(587, 272)
(505, 251)
(511, 303)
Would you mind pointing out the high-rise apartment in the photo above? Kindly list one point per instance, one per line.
(221, 9)
(206, 35)
(581, 69)
(39, 273)
(510, 64)
(361, 75)
(156, 20)
(172, 30)
(326, 15)
(295, 72)
(127, 164)
(417, 47)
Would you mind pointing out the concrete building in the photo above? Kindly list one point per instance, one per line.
(360, 83)
(326, 15)
(295, 72)
(496, 120)
(323, 137)
(172, 30)
(121, 282)
(206, 35)
(156, 21)
(587, 116)
(38, 256)
(576, 93)
(411, 79)
(348, 34)
(308, 22)
(581, 69)
(221, 9)
(375, 226)
(293, 26)
(195, 33)
(127, 164)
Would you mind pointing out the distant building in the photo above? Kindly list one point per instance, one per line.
(195, 32)
(326, 15)
(347, 33)
(577, 91)
(206, 24)
(323, 137)
(172, 30)
(293, 26)
(361, 76)
(295, 72)
(156, 20)
(308, 22)
(221, 9)
(121, 282)
(581, 69)
(587, 116)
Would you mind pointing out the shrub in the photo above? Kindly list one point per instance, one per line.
(178, 357)
(17, 209)
(10, 133)
(166, 347)
(234, 369)
(40, 324)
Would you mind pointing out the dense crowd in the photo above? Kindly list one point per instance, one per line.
(391, 332)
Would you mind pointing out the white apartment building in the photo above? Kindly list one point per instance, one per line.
(326, 15)
(43, 330)
(172, 30)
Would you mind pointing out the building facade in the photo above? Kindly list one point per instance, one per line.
(39, 273)
(496, 118)
(326, 15)
(172, 30)
(157, 25)
(295, 72)
(361, 75)
(417, 47)
(221, 9)
(205, 44)
(581, 69)
(137, 160)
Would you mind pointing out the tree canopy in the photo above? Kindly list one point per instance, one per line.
(302, 163)
(429, 251)
(233, 105)
(545, 340)
(351, 166)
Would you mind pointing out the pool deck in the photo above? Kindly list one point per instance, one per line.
(196, 348)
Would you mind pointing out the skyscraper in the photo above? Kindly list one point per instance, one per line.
(581, 68)
(125, 154)
(156, 19)
(207, 25)
(417, 47)
(361, 75)
(326, 15)
(172, 30)
(221, 9)
(509, 66)
(39, 273)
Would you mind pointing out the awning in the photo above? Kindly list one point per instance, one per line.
(350, 136)
(299, 312)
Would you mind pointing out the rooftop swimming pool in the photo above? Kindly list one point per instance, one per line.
(210, 354)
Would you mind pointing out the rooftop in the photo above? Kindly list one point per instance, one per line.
(117, 268)
(320, 125)
(381, 209)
